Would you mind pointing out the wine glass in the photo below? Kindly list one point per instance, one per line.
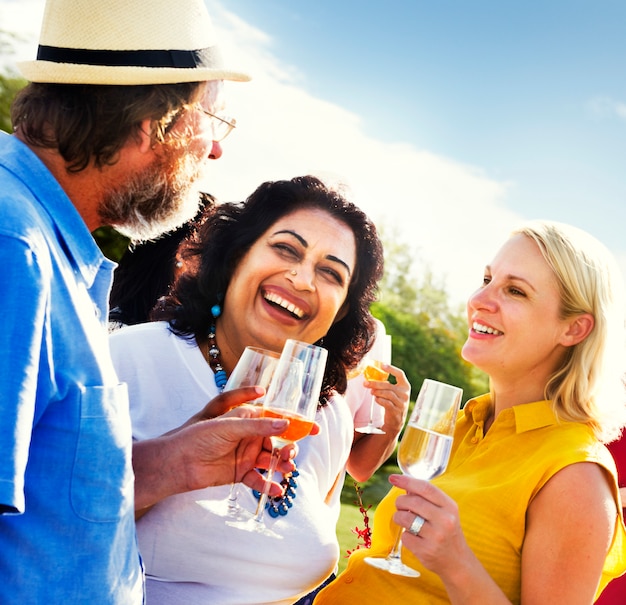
(373, 371)
(293, 394)
(424, 451)
(255, 368)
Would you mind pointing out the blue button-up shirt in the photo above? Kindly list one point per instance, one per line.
(67, 531)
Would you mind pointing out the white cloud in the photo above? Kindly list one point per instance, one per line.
(604, 107)
(452, 214)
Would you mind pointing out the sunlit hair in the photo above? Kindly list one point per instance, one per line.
(229, 230)
(93, 122)
(588, 387)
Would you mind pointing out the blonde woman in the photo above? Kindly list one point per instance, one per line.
(528, 510)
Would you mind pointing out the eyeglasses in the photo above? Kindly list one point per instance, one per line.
(221, 126)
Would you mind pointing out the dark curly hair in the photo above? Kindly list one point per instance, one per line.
(146, 271)
(228, 231)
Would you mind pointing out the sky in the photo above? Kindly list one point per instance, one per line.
(448, 122)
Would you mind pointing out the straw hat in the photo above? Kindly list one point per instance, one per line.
(124, 42)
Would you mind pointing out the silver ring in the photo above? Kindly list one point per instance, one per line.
(417, 525)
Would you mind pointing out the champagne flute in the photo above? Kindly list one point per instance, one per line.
(255, 368)
(293, 394)
(373, 371)
(424, 451)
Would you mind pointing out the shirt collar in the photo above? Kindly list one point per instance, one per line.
(536, 415)
(527, 416)
(71, 229)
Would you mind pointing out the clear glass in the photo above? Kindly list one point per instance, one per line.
(294, 394)
(424, 452)
(255, 368)
(372, 371)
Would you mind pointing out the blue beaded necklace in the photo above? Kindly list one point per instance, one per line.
(214, 361)
(280, 505)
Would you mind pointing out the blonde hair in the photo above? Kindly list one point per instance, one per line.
(588, 387)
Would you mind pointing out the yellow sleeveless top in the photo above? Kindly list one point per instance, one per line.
(493, 479)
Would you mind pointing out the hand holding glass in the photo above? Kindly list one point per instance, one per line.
(255, 368)
(424, 451)
(293, 394)
(373, 371)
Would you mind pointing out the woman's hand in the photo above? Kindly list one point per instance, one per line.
(562, 522)
(370, 451)
(440, 544)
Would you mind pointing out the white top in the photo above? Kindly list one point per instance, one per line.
(190, 555)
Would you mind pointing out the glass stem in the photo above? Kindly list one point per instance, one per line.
(260, 509)
(372, 411)
(232, 498)
(396, 552)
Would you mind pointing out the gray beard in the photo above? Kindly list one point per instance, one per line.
(157, 200)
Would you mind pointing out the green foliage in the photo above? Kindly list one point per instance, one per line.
(424, 350)
(427, 334)
(9, 85)
(112, 243)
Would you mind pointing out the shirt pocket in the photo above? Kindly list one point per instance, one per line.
(102, 487)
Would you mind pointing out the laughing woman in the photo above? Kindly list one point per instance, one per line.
(528, 510)
(296, 260)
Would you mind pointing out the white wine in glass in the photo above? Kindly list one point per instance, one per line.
(424, 452)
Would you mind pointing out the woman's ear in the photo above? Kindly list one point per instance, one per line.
(579, 328)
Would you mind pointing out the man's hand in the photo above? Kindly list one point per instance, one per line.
(235, 446)
(223, 403)
(208, 452)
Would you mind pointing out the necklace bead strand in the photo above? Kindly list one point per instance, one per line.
(280, 505)
(214, 361)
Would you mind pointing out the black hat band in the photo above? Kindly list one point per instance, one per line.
(185, 59)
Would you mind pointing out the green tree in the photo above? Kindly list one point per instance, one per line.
(427, 332)
(426, 351)
(10, 82)
(112, 243)
(9, 85)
